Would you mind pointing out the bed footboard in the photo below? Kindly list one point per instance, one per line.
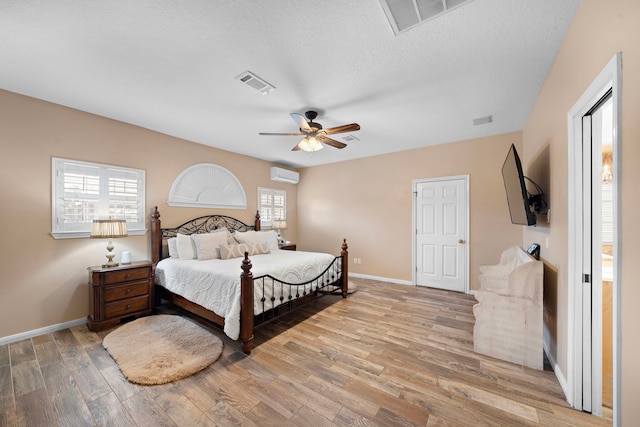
(276, 297)
(284, 297)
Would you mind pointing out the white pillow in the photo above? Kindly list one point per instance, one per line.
(207, 245)
(269, 237)
(186, 247)
(256, 237)
(230, 239)
(172, 244)
(247, 237)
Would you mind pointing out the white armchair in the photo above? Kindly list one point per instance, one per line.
(509, 310)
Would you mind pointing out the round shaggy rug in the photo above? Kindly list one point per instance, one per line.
(159, 349)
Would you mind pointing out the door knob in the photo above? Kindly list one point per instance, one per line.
(461, 241)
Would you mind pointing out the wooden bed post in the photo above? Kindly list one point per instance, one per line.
(156, 236)
(246, 305)
(257, 221)
(345, 268)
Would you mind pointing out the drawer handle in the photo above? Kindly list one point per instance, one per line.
(128, 306)
(127, 291)
(127, 276)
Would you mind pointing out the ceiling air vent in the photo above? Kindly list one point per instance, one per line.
(255, 82)
(350, 138)
(482, 120)
(406, 14)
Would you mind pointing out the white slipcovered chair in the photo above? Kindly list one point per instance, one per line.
(509, 310)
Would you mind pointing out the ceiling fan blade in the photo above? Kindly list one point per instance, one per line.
(331, 142)
(342, 129)
(296, 148)
(301, 122)
(282, 134)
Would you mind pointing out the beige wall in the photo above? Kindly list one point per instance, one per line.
(369, 202)
(599, 30)
(43, 281)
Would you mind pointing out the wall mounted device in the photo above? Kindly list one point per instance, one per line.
(284, 175)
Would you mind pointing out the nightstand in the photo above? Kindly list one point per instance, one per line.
(288, 246)
(119, 292)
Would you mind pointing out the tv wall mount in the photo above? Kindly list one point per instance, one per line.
(537, 202)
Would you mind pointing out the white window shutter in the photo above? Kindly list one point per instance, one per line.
(83, 191)
(272, 205)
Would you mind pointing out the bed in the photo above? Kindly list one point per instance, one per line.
(240, 293)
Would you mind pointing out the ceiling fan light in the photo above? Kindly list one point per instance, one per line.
(315, 144)
(310, 144)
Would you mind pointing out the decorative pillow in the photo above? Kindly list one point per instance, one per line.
(172, 245)
(237, 251)
(256, 237)
(207, 245)
(270, 237)
(230, 239)
(186, 247)
(249, 237)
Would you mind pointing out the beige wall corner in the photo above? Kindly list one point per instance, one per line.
(599, 30)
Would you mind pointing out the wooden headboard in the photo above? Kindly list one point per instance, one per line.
(203, 224)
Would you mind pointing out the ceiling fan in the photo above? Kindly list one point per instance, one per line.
(314, 134)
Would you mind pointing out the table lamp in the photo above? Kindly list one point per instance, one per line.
(109, 229)
(279, 224)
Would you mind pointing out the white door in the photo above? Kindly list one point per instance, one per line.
(441, 220)
(596, 134)
(593, 122)
(587, 274)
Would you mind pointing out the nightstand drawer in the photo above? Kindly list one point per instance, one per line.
(119, 276)
(124, 307)
(133, 289)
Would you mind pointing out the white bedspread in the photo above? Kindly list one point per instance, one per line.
(215, 284)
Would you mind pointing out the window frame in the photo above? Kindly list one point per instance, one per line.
(102, 175)
(266, 222)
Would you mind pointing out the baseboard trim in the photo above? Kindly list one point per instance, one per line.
(381, 279)
(46, 330)
(557, 371)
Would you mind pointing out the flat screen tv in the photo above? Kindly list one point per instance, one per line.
(517, 195)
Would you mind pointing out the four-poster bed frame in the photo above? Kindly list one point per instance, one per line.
(337, 271)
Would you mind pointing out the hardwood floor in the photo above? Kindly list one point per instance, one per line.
(388, 355)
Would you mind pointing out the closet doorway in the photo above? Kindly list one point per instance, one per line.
(594, 288)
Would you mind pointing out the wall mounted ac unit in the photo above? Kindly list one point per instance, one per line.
(284, 175)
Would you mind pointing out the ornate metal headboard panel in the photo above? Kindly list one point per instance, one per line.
(205, 224)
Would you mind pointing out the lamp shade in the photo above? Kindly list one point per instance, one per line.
(109, 228)
(279, 224)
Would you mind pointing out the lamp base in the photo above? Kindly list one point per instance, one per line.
(110, 263)
(115, 264)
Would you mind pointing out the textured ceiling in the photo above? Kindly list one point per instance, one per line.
(171, 66)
